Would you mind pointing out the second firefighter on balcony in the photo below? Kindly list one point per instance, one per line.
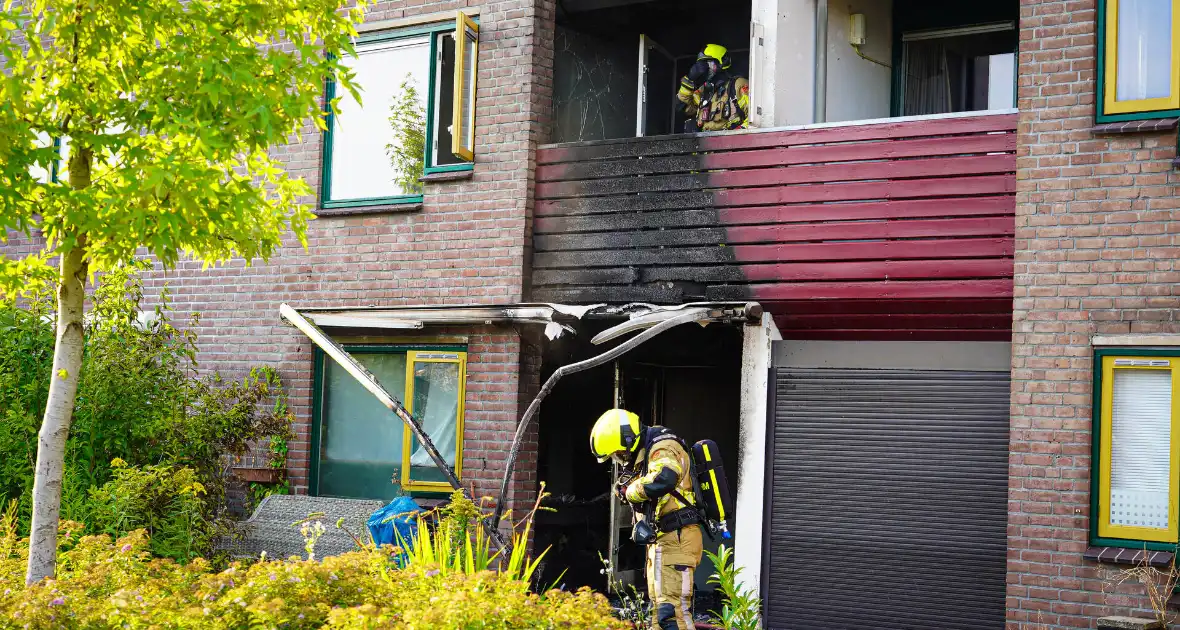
(711, 96)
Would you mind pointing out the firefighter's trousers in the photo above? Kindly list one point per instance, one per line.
(671, 562)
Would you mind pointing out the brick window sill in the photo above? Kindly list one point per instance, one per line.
(1131, 557)
(1135, 126)
(447, 176)
(391, 208)
(1128, 623)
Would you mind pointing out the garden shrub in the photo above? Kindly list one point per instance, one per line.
(167, 502)
(26, 358)
(140, 401)
(458, 543)
(103, 584)
(740, 608)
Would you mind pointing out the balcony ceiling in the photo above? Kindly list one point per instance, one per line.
(581, 6)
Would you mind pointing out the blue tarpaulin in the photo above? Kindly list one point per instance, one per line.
(398, 519)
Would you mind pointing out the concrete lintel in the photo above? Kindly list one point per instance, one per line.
(414, 20)
(1115, 341)
(980, 356)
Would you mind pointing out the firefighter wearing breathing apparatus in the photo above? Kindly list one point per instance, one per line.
(657, 481)
(711, 97)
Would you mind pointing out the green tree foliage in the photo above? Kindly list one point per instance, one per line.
(175, 104)
(140, 403)
(407, 153)
(169, 108)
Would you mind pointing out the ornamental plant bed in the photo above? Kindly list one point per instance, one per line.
(105, 584)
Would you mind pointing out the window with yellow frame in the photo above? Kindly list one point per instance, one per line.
(359, 449)
(1138, 60)
(434, 395)
(1136, 463)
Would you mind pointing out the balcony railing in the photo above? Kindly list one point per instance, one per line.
(893, 229)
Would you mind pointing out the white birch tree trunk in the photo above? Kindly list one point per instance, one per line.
(63, 389)
(59, 412)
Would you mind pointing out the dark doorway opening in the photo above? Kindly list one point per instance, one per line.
(687, 379)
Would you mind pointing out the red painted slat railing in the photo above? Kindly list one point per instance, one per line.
(894, 230)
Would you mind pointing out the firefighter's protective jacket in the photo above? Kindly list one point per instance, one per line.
(668, 467)
(673, 558)
(722, 102)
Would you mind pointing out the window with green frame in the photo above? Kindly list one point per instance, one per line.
(46, 173)
(416, 115)
(360, 449)
(1138, 59)
(52, 172)
(1136, 459)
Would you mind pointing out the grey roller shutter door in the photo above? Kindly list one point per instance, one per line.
(887, 500)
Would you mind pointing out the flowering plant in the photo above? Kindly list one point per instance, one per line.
(104, 583)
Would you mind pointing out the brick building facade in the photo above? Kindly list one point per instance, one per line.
(1096, 255)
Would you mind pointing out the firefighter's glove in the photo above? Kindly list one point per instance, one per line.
(621, 490)
(635, 493)
(701, 71)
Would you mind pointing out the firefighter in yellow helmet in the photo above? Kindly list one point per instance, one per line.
(657, 482)
(711, 96)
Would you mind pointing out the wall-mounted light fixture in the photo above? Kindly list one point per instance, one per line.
(858, 35)
(856, 29)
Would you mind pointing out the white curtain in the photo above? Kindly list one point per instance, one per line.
(1144, 49)
(443, 430)
(1141, 448)
(927, 79)
(436, 405)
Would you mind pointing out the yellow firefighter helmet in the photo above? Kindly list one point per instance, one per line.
(718, 52)
(616, 431)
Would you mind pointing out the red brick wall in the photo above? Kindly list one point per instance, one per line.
(467, 244)
(1096, 252)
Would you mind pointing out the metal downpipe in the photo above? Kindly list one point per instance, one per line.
(820, 100)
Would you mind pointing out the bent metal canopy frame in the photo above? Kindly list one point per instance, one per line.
(650, 320)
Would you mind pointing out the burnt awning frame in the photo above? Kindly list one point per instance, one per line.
(648, 320)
